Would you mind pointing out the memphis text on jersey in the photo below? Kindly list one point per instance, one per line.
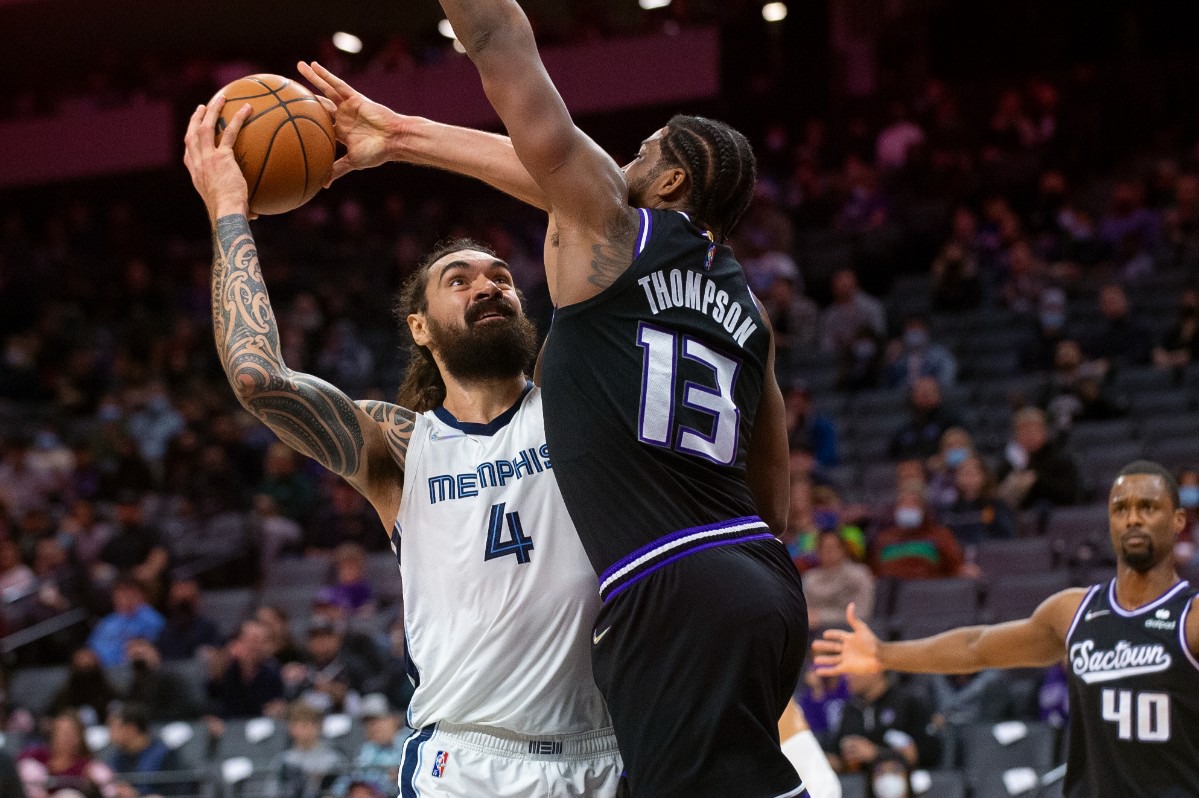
(492, 474)
(693, 291)
(1099, 665)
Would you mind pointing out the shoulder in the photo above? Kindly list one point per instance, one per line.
(1058, 610)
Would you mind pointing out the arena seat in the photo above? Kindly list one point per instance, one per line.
(1162, 428)
(296, 600)
(924, 604)
(1171, 400)
(987, 753)
(1087, 434)
(241, 738)
(34, 688)
(293, 571)
(998, 558)
(1016, 595)
(945, 784)
(227, 608)
(853, 785)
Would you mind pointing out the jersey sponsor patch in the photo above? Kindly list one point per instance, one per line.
(439, 763)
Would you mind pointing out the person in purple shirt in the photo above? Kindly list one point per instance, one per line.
(131, 617)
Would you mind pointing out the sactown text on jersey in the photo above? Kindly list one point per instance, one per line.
(693, 291)
(1123, 660)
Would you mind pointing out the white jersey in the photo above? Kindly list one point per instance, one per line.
(499, 597)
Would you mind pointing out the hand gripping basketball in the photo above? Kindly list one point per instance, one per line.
(365, 127)
(840, 652)
(214, 170)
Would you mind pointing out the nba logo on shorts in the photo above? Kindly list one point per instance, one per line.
(439, 763)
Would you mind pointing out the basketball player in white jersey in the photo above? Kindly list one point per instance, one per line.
(499, 598)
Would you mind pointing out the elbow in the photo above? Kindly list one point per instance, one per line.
(499, 34)
(251, 380)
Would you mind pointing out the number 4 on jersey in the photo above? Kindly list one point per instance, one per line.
(517, 543)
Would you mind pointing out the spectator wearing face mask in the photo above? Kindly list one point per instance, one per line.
(915, 546)
(827, 516)
(914, 355)
(890, 776)
(956, 447)
(187, 629)
(1188, 498)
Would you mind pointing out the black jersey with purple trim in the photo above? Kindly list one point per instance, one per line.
(1134, 698)
(651, 388)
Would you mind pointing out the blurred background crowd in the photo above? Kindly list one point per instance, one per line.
(976, 233)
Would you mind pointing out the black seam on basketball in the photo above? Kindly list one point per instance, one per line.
(266, 157)
(319, 127)
(284, 103)
(247, 97)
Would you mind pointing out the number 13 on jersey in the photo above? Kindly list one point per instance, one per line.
(663, 351)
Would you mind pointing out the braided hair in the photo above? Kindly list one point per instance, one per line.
(423, 387)
(721, 166)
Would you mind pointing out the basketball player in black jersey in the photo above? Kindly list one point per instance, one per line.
(1131, 649)
(664, 415)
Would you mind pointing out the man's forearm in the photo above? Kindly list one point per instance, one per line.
(305, 412)
(488, 157)
(247, 336)
(950, 652)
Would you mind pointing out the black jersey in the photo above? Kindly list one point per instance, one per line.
(650, 389)
(1134, 698)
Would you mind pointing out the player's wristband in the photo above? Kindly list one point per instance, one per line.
(808, 758)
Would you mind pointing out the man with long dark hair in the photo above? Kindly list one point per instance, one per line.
(499, 598)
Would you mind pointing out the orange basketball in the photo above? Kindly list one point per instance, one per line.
(285, 148)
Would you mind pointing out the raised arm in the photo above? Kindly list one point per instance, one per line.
(373, 134)
(308, 414)
(586, 190)
(1034, 642)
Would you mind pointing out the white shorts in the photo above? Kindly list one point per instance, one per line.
(450, 761)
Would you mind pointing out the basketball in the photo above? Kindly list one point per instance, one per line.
(285, 148)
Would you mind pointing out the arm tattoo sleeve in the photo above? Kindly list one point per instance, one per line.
(398, 423)
(307, 413)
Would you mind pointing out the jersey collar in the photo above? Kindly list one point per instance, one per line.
(491, 427)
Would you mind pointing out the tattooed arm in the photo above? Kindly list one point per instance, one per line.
(585, 188)
(309, 414)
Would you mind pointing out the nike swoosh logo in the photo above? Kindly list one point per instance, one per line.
(1096, 614)
(437, 436)
(596, 637)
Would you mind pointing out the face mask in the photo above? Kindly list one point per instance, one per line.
(1188, 496)
(908, 517)
(1053, 319)
(825, 519)
(890, 785)
(915, 339)
(955, 457)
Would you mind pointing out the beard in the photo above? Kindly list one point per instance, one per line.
(638, 189)
(1140, 560)
(493, 350)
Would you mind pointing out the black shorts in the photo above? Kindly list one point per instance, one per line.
(697, 660)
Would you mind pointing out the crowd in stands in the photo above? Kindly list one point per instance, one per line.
(979, 322)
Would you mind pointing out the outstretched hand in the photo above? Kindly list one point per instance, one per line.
(213, 167)
(841, 652)
(366, 128)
